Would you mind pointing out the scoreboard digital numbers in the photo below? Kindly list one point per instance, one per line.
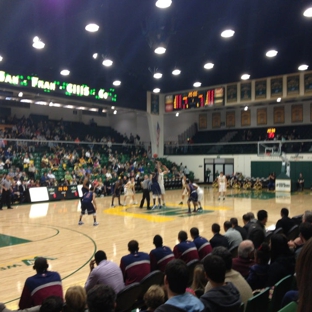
(271, 133)
(194, 99)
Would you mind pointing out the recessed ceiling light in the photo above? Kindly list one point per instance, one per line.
(160, 50)
(176, 72)
(26, 101)
(20, 94)
(177, 114)
(55, 104)
(81, 108)
(303, 67)
(156, 90)
(271, 53)
(65, 72)
(227, 33)
(41, 103)
(37, 43)
(308, 12)
(93, 109)
(157, 75)
(163, 4)
(278, 99)
(69, 106)
(245, 76)
(107, 62)
(1, 58)
(92, 27)
(117, 83)
(208, 65)
(95, 55)
(115, 112)
(113, 107)
(246, 108)
(197, 84)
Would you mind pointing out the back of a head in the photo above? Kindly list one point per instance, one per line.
(245, 248)
(234, 221)
(262, 215)
(52, 304)
(215, 268)
(154, 297)
(199, 279)
(284, 212)
(182, 236)
(101, 298)
(177, 275)
(133, 246)
(307, 216)
(41, 265)
(227, 225)
(305, 230)
(251, 215)
(194, 232)
(158, 241)
(100, 256)
(215, 228)
(246, 217)
(263, 254)
(76, 299)
(225, 254)
(279, 246)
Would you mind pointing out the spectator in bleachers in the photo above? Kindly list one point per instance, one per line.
(154, 297)
(202, 244)
(256, 230)
(75, 299)
(245, 258)
(199, 280)
(300, 183)
(185, 250)
(52, 304)
(218, 239)
(101, 298)
(136, 265)
(305, 233)
(234, 238)
(238, 228)
(285, 222)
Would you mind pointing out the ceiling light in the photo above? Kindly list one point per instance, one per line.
(115, 112)
(95, 55)
(308, 12)
(65, 72)
(117, 83)
(208, 65)
(271, 53)
(246, 108)
(107, 62)
(160, 50)
(227, 33)
(113, 107)
(197, 84)
(278, 100)
(92, 27)
(20, 94)
(177, 114)
(176, 72)
(55, 104)
(104, 110)
(157, 75)
(156, 90)
(26, 101)
(81, 108)
(245, 77)
(93, 109)
(1, 58)
(69, 106)
(41, 103)
(303, 67)
(163, 4)
(37, 43)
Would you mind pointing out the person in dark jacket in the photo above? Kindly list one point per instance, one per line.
(256, 231)
(285, 222)
(223, 297)
(238, 228)
(218, 239)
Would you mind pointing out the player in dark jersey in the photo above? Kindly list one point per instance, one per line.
(155, 188)
(117, 192)
(86, 184)
(193, 196)
(88, 206)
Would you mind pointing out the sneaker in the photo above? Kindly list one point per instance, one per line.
(102, 195)
(194, 210)
(160, 207)
(154, 207)
(134, 203)
(223, 198)
(95, 223)
(181, 203)
(112, 206)
(200, 209)
(80, 223)
(164, 205)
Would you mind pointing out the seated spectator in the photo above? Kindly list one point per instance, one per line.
(154, 297)
(161, 255)
(218, 239)
(185, 250)
(31, 171)
(68, 178)
(282, 260)
(285, 222)
(75, 299)
(40, 286)
(234, 238)
(136, 265)
(52, 304)
(106, 272)
(175, 280)
(305, 233)
(258, 275)
(199, 280)
(44, 180)
(202, 244)
(256, 230)
(51, 177)
(223, 296)
(101, 298)
(300, 183)
(44, 161)
(245, 258)
(231, 275)
(238, 228)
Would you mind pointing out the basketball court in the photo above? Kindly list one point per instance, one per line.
(51, 230)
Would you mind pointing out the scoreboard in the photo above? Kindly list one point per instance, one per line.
(63, 192)
(195, 99)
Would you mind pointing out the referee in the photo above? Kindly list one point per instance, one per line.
(6, 192)
(146, 192)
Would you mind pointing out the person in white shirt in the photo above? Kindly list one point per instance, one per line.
(200, 194)
(161, 182)
(184, 188)
(222, 185)
(51, 177)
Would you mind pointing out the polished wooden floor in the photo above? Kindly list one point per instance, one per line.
(51, 230)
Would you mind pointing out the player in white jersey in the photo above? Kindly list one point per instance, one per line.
(184, 188)
(200, 195)
(161, 182)
(130, 190)
(222, 185)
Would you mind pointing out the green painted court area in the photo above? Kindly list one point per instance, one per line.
(177, 212)
(263, 195)
(6, 240)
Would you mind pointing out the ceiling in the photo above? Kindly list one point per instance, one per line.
(129, 29)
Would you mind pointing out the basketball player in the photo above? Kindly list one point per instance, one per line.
(88, 205)
(193, 197)
(200, 196)
(155, 189)
(222, 185)
(184, 188)
(130, 190)
(161, 182)
(86, 184)
(117, 192)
